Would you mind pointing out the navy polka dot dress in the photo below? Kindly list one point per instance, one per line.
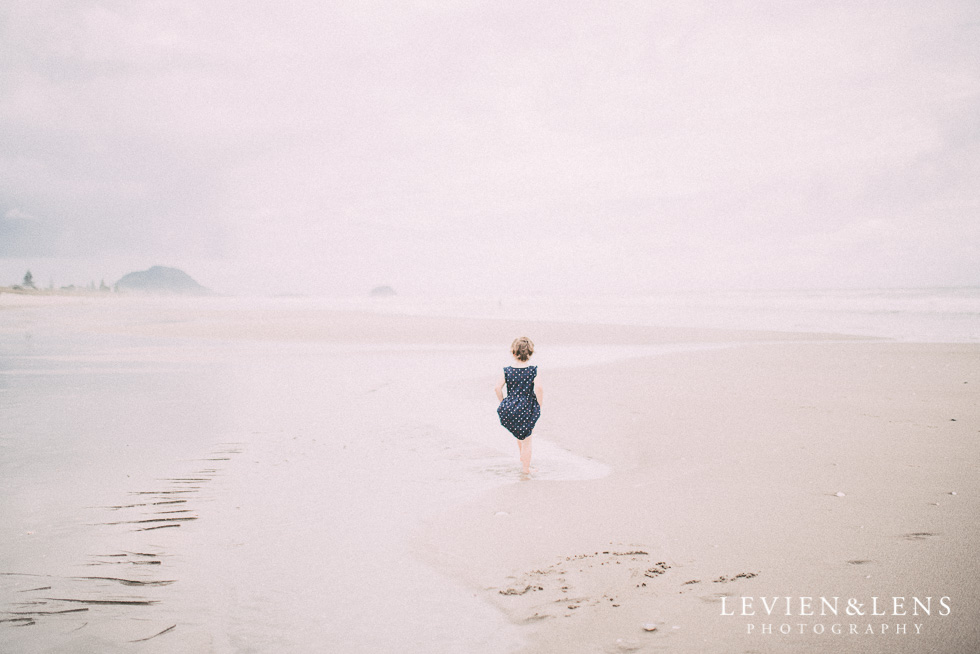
(520, 409)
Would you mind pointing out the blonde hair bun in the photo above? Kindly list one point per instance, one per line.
(522, 348)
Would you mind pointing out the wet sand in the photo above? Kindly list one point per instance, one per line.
(818, 470)
(362, 499)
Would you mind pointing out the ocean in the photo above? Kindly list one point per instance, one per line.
(928, 315)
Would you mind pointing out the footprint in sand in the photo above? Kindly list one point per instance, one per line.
(723, 579)
(742, 575)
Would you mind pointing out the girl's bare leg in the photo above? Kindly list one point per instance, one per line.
(525, 455)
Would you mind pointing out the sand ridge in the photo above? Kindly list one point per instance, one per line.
(113, 593)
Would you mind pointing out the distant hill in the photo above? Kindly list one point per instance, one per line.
(161, 281)
(382, 291)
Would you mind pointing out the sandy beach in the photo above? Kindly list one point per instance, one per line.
(262, 267)
(344, 486)
(817, 470)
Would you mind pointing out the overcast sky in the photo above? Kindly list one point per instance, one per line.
(471, 147)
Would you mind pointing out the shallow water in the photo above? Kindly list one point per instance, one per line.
(254, 496)
(932, 315)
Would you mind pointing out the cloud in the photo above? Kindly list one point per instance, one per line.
(22, 233)
(15, 214)
(451, 145)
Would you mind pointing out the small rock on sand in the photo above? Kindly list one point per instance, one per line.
(839, 494)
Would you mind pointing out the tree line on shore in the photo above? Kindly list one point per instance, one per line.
(28, 285)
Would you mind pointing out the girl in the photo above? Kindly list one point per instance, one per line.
(520, 410)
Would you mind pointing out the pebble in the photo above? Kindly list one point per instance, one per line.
(839, 494)
(952, 492)
(501, 513)
(649, 627)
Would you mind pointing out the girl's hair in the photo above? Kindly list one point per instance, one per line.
(522, 348)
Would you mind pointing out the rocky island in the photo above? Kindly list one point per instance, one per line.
(160, 280)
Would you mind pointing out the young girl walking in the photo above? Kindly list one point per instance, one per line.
(520, 410)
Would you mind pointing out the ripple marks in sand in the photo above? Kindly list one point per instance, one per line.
(918, 535)
(140, 566)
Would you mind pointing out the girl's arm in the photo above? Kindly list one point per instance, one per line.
(538, 391)
(499, 388)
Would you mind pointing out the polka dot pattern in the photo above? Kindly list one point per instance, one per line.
(520, 409)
